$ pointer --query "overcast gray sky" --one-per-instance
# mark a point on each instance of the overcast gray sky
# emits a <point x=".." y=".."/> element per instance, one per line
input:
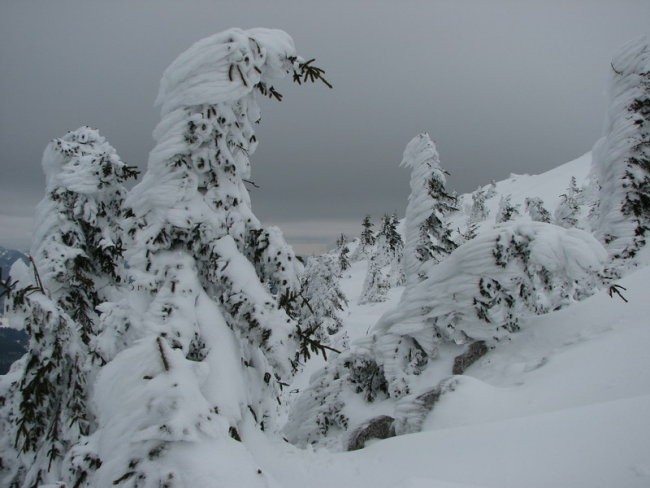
<point x="501" y="86"/>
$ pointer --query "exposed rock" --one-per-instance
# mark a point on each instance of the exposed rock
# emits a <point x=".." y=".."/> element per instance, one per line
<point x="475" y="351"/>
<point x="413" y="409"/>
<point x="377" y="428"/>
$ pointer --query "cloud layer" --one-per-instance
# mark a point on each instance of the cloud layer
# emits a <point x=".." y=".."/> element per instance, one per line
<point x="502" y="87"/>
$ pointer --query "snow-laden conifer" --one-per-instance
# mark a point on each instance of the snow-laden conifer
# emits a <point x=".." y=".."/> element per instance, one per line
<point x="323" y="300"/>
<point x="536" y="210"/>
<point x="491" y="190"/>
<point x="567" y="212"/>
<point x="385" y="265"/>
<point x="209" y="336"/>
<point x="376" y="283"/>
<point x="344" y="259"/>
<point x="487" y="286"/>
<point x="478" y="212"/>
<point x="621" y="159"/>
<point x="76" y="254"/>
<point x="366" y="240"/>
<point x="427" y="234"/>
<point x="343" y="250"/>
<point x="507" y="210"/>
<point x="483" y="291"/>
<point x="341" y="241"/>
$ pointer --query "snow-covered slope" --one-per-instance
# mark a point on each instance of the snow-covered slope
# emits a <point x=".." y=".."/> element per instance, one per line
<point x="564" y="403"/>
<point x="548" y="186"/>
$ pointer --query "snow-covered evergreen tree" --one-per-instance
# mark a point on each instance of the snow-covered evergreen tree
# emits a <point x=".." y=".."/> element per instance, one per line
<point x="376" y="284"/>
<point x="343" y="253"/>
<point x="507" y="211"/>
<point x="323" y="300"/>
<point x="344" y="259"/>
<point x="385" y="266"/>
<point x="389" y="250"/>
<point x="478" y="213"/>
<point x="427" y="232"/>
<point x="621" y="159"/>
<point x="541" y="266"/>
<point x="567" y="212"/>
<point x="481" y="292"/>
<point x="536" y="210"/>
<point x="76" y="253"/>
<point x="208" y="338"/>
<point x="341" y="241"/>
<point x="366" y="240"/>
<point x="491" y="190"/>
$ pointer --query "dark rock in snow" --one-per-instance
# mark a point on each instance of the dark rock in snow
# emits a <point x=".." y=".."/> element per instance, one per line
<point x="412" y="410"/>
<point x="475" y="351"/>
<point x="377" y="428"/>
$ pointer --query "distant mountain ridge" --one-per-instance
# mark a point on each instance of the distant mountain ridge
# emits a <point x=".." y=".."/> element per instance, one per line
<point x="13" y="343"/>
<point x="8" y="257"/>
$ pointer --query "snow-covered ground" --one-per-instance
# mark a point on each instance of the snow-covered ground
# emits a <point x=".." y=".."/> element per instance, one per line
<point x="564" y="404"/>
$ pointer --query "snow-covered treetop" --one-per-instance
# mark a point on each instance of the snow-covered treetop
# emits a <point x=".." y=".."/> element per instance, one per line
<point x="419" y="150"/>
<point x="208" y="108"/>
<point x="511" y="253"/>
<point x="421" y="155"/>
<point x="621" y="157"/>
<point x="81" y="211"/>
<point x="82" y="161"/>
<point x="426" y="233"/>
<point x="225" y="67"/>
<point x="631" y="62"/>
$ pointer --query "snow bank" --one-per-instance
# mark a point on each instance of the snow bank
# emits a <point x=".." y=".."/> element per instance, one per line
<point x="559" y="263"/>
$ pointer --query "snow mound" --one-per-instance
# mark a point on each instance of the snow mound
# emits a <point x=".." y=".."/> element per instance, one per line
<point x="555" y="266"/>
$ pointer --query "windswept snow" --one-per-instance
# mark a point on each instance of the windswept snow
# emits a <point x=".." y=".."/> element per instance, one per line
<point x="563" y="403"/>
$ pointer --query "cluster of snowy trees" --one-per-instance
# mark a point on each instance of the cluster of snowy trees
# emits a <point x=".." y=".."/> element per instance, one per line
<point x="385" y="256"/>
<point x="167" y="316"/>
<point x="525" y="262"/>
<point x="480" y="292"/>
<point x="427" y="235"/>
<point x="167" y="321"/>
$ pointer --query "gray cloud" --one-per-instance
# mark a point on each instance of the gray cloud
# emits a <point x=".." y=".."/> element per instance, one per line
<point x="502" y="86"/>
<point x="15" y="232"/>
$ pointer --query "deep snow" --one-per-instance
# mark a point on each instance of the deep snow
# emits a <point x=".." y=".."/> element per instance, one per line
<point x="565" y="403"/>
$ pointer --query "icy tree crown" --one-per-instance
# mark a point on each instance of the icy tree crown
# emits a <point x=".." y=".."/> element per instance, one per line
<point x="621" y="159"/>
<point x="426" y="233"/>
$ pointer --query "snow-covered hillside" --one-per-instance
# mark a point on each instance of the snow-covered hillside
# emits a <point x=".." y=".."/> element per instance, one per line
<point x="548" y="186"/>
<point x="564" y="403"/>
